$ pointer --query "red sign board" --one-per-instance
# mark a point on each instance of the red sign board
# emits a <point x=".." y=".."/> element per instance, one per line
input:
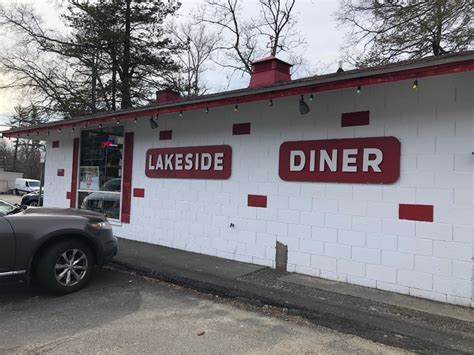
<point x="355" y="160"/>
<point x="208" y="162"/>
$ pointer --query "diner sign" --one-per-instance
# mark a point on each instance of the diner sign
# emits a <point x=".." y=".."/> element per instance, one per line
<point x="206" y="162"/>
<point x="355" y="160"/>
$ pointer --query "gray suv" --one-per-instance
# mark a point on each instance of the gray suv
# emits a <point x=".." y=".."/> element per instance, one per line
<point x="58" y="248"/>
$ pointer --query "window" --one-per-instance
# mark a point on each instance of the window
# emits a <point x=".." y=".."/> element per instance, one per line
<point x="100" y="170"/>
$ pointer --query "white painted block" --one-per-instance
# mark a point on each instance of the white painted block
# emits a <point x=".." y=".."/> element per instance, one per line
<point x="367" y="193"/>
<point x="353" y="207"/>
<point x="312" y="218"/>
<point x="366" y="255"/>
<point x="340" y="221"/>
<point x="337" y="250"/>
<point x="299" y="258"/>
<point x="289" y="216"/>
<point x="382" y="209"/>
<point x="463" y="234"/>
<point x="436" y="231"/>
<point x="323" y="263"/>
<point x="453" y="250"/>
<point x="299" y="231"/>
<point x="415" y="279"/>
<point x="351" y="237"/>
<point x="311" y="246"/>
<point x="350" y="267"/>
<point x="381" y="241"/>
<point x="400" y="260"/>
<point x="433" y="265"/>
<point x="367" y="224"/>
<point x="398" y="227"/>
<point x="451" y="286"/>
<point x="301" y="203"/>
<point x="381" y="273"/>
<point x="277" y="228"/>
<point x="415" y="245"/>
<point x="324" y="234"/>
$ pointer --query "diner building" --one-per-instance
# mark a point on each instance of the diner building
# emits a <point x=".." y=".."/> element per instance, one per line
<point x="362" y="176"/>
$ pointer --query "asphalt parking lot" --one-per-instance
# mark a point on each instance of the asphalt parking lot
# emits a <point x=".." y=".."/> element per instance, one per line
<point x="121" y="313"/>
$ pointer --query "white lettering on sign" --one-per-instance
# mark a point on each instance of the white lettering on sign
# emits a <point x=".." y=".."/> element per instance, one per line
<point x="294" y="166"/>
<point x="348" y="160"/>
<point x="372" y="158"/>
<point x="373" y="163"/>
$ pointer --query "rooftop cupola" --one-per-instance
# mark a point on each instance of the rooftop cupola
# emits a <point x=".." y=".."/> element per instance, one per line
<point x="268" y="71"/>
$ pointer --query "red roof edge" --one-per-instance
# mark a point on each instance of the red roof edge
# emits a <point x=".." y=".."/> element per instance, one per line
<point x="293" y="88"/>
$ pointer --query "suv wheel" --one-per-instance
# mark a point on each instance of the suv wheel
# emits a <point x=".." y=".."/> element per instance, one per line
<point x="65" y="267"/>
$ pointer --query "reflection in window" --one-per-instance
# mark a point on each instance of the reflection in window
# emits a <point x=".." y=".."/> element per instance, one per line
<point x="100" y="170"/>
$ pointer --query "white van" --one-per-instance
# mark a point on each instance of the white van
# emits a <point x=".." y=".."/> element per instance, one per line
<point x="26" y="186"/>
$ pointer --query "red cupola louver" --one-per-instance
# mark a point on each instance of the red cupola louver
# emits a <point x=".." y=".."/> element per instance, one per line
<point x="268" y="71"/>
<point x="167" y="95"/>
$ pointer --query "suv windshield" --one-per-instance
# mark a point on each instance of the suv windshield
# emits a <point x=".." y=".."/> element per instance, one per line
<point x="6" y="208"/>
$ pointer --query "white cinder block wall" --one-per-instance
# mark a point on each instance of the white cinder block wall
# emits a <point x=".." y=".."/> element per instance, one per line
<point x="56" y="187"/>
<point x="345" y="232"/>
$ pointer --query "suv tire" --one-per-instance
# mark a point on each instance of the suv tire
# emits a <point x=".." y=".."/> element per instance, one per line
<point x="65" y="267"/>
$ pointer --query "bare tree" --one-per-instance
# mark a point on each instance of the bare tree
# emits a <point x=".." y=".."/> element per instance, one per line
<point x="246" y="39"/>
<point x="198" y="46"/>
<point x="390" y="30"/>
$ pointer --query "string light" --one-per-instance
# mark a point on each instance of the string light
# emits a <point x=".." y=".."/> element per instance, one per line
<point x="270" y="102"/>
<point x="207" y="110"/>
<point x="311" y="98"/>
<point x="135" y="120"/>
<point x="359" y="89"/>
<point x="100" y="125"/>
<point x="72" y="129"/>
<point x="180" y="113"/>
<point x="236" y="108"/>
<point x="118" y="122"/>
<point x="415" y="84"/>
<point x="59" y="129"/>
<point x="48" y="132"/>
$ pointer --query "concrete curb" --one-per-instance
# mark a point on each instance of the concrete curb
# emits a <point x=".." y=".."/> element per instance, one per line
<point x="382" y="328"/>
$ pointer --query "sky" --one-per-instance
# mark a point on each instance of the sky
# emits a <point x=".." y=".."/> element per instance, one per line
<point x="315" y="21"/>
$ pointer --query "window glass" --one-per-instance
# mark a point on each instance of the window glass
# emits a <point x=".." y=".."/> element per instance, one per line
<point x="100" y="170"/>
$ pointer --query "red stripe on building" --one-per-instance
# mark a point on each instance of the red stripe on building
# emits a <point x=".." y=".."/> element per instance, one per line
<point x="138" y="192"/>
<point x="422" y="213"/>
<point x="75" y="167"/>
<point x="127" y="177"/>
<point x="166" y="135"/>
<point x="257" y="201"/>
<point x="241" y="128"/>
<point x="360" y="118"/>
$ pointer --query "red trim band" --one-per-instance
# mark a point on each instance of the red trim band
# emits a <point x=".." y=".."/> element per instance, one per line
<point x="138" y="192"/>
<point x="257" y="201"/>
<point x="241" y="128"/>
<point x="360" y="118"/>
<point x="422" y="213"/>
<point x="166" y="135"/>
<point x="75" y="167"/>
<point x="127" y="177"/>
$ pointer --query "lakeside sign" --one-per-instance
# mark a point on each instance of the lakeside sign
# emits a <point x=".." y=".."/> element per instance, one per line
<point x="354" y="160"/>
<point x="206" y="162"/>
